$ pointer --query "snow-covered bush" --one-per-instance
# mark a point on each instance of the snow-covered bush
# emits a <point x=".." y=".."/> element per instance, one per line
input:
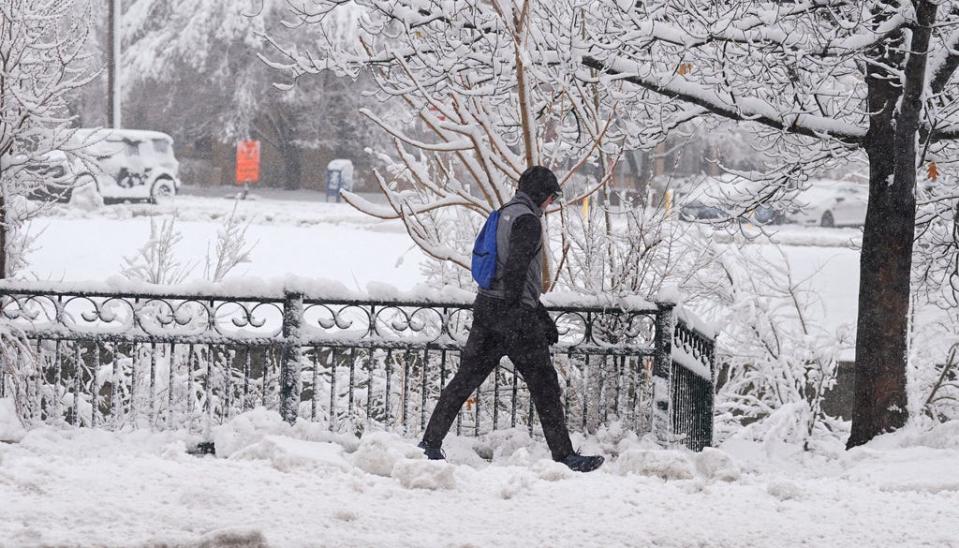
<point x="156" y="262"/>
<point x="20" y="375"/>
<point x="44" y="61"/>
<point x="934" y="326"/>
<point x="934" y="364"/>
<point x="777" y="363"/>
<point x="231" y="249"/>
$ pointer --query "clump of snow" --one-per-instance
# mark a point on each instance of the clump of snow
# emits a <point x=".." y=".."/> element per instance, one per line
<point x="502" y="444"/>
<point x="935" y="436"/>
<point x="380" y="452"/>
<point x="290" y="455"/>
<point x="346" y="515"/>
<point x="550" y="470"/>
<point x="11" y="429"/>
<point x="256" y="425"/>
<point x="519" y="457"/>
<point x="464" y="450"/>
<point x="669" y="294"/>
<point x="248" y="429"/>
<point x="425" y="474"/>
<point x="667" y="465"/>
<point x="715" y="464"/>
<point x="615" y="438"/>
<point x="175" y="450"/>
<point x="234" y="538"/>
<point x="86" y="198"/>
<point x="784" y="490"/>
<point x="515" y="484"/>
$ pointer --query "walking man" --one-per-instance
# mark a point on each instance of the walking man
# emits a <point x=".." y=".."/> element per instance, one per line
<point x="509" y="320"/>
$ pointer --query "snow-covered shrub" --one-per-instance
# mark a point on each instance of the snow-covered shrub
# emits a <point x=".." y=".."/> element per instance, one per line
<point x="934" y="326"/>
<point x="231" y="248"/>
<point x="777" y="363"/>
<point x="934" y="364"/>
<point x="19" y="238"/>
<point x="45" y="62"/>
<point x="19" y="365"/>
<point x="156" y="261"/>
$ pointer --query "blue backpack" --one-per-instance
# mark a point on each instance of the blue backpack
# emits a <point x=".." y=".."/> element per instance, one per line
<point x="484" y="253"/>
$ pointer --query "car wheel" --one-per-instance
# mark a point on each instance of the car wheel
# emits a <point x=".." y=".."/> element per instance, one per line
<point x="827" y="220"/>
<point x="163" y="192"/>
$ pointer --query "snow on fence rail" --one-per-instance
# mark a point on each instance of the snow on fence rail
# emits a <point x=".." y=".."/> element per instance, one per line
<point x="161" y="359"/>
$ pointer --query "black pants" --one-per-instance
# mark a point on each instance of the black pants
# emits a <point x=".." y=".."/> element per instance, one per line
<point x="500" y="331"/>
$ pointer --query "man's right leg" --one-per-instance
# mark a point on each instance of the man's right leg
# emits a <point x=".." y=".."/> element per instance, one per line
<point x="480" y="356"/>
<point x="534" y="363"/>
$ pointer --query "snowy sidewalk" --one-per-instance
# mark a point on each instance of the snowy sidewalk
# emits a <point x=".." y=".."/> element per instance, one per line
<point x="283" y="486"/>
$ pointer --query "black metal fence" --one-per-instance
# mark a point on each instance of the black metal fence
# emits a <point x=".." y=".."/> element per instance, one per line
<point x="154" y="360"/>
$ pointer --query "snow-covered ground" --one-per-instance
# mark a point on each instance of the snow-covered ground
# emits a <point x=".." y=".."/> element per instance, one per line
<point x="317" y="239"/>
<point x="306" y="238"/>
<point x="272" y="484"/>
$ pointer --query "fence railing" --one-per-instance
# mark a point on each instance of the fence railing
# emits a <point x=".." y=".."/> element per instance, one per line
<point x="143" y="359"/>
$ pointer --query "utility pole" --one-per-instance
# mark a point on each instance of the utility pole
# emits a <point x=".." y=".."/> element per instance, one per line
<point x="113" y="69"/>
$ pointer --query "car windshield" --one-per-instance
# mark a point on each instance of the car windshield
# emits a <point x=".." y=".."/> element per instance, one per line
<point x="161" y="146"/>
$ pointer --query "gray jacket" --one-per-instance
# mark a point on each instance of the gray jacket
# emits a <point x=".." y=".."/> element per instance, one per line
<point x="531" y="249"/>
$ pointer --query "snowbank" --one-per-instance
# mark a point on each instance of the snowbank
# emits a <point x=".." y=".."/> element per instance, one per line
<point x="273" y="484"/>
<point x="11" y="430"/>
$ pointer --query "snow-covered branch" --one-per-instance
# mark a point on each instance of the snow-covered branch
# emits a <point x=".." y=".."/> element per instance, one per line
<point x="751" y="109"/>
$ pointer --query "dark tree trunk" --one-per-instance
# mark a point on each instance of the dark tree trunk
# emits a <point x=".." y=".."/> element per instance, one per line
<point x="884" y="274"/>
<point x="281" y="134"/>
<point x="3" y="235"/>
<point x="292" y="168"/>
<point x="639" y="176"/>
<point x="882" y="350"/>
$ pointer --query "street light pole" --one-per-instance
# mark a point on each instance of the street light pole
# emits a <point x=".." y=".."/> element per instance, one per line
<point x="113" y="69"/>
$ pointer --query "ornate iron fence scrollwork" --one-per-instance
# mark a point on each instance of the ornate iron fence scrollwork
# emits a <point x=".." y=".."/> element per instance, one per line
<point x="128" y="360"/>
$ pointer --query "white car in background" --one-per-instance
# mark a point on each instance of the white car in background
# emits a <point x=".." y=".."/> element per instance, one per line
<point x="126" y="164"/>
<point x="830" y="203"/>
<point x="717" y="199"/>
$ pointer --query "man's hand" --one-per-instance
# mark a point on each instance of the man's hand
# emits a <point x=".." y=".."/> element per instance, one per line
<point x="549" y="326"/>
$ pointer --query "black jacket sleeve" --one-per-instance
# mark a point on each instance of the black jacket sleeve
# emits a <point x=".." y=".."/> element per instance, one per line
<point x="524" y="246"/>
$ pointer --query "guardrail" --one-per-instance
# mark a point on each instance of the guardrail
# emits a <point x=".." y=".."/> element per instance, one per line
<point x="148" y="359"/>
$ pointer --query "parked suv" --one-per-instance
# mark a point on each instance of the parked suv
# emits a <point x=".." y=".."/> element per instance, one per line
<point x="49" y="178"/>
<point x="126" y="164"/>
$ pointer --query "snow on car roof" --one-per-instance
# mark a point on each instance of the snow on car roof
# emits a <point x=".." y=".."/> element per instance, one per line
<point x="340" y="163"/>
<point x="124" y="134"/>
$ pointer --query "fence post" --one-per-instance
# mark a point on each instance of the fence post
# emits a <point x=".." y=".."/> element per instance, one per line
<point x="706" y="413"/>
<point x="662" y="365"/>
<point x="290" y="362"/>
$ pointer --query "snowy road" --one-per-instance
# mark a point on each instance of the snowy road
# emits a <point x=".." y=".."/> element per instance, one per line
<point x="285" y="486"/>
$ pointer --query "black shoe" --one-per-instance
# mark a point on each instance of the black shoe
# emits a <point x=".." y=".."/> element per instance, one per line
<point x="583" y="463"/>
<point x="432" y="453"/>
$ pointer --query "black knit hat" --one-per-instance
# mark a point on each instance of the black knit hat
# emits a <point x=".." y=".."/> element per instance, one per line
<point x="539" y="183"/>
